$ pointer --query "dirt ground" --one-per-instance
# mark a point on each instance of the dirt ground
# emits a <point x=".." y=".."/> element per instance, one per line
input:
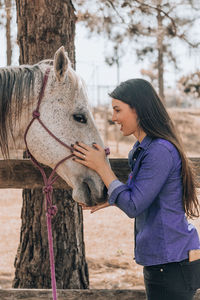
<point x="108" y="233"/>
<point x="108" y="240"/>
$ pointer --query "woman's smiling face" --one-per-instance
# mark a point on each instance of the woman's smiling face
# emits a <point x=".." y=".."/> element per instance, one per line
<point x="126" y="116"/>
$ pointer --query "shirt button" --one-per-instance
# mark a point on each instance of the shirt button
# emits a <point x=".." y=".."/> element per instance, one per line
<point x="161" y="270"/>
<point x="134" y="159"/>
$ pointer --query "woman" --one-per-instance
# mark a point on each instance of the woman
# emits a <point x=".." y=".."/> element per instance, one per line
<point x="159" y="194"/>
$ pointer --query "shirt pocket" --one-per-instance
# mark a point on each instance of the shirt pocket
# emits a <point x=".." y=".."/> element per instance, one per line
<point x="191" y="274"/>
<point x="154" y="274"/>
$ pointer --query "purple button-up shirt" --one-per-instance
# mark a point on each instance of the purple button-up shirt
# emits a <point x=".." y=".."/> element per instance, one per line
<point x="153" y="196"/>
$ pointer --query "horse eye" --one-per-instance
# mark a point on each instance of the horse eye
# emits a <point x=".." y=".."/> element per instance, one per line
<point x="80" y="118"/>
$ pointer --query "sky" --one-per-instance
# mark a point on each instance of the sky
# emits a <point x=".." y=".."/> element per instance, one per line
<point x="91" y="66"/>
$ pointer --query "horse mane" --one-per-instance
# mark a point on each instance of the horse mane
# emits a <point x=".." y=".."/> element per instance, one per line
<point x="16" y="86"/>
<point x="16" y="90"/>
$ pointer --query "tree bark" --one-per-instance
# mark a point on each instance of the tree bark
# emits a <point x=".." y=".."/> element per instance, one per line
<point x="44" y="26"/>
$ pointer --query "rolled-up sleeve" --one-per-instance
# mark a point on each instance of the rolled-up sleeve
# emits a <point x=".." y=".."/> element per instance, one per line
<point x="113" y="185"/>
<point x="154" y="170"/>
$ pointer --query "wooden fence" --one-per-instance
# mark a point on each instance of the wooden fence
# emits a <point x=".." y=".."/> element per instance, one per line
<point x="25" y="294"/>
<point x="20" y="174"/>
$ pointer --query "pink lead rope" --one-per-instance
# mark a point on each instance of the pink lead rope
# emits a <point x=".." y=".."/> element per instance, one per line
<point x="51" y="209"/>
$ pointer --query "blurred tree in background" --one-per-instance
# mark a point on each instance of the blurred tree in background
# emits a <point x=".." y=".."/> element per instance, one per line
<point x="5" y="20"/>
<point x="190" y="84"/>
<point x="147" y="27"/>
<point x="8" y="4"/>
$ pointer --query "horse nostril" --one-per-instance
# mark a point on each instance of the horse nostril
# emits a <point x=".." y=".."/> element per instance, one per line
<point x="88" y="194"/>
<point x="94" y="196"/>
<point x="105" y="191"/>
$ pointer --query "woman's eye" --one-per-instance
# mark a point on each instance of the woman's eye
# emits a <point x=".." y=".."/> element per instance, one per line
<point x="80" y="118"/>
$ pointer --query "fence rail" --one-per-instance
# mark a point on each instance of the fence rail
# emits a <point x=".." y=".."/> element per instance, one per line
<point x="20" y="174"/>
<point x="31" y="294"/>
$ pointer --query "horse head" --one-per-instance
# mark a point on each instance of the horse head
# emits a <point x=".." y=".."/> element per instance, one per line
<point x="65" y="112"/>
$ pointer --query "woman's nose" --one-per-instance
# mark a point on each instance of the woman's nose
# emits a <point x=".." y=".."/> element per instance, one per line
<point x="114" y="118"/>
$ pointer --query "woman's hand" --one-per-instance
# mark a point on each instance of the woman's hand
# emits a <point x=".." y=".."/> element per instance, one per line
<point x="91" y="157"/>
<point x="94" y="208"/>
<point x="95" y="159"/>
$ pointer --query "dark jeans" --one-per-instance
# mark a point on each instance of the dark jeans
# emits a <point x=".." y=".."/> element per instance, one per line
<point x="171" y="281"/>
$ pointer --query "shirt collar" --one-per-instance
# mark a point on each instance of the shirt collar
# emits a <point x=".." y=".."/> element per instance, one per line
<point x="143" y="145"/>
<point x="145" y="142"/>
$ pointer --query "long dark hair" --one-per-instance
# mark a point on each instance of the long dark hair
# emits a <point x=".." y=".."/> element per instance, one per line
<point x="156" y="123"/>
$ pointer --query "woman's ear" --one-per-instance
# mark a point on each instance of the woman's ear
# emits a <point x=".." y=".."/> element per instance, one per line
<point x="134" y="112"/>
<point x="136" y="115"/>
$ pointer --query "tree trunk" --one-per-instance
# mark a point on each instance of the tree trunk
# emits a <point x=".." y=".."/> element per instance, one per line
<point x="160" y="37"/>
<point x="32" y="260"/>
<point x="8" y="35"/>
<point x="43" y="26"/>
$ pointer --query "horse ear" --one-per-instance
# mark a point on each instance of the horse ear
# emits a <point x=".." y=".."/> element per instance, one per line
<point x="61" y="63"/>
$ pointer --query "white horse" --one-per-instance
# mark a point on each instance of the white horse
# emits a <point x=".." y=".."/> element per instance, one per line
<point x="65" y="112"/>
